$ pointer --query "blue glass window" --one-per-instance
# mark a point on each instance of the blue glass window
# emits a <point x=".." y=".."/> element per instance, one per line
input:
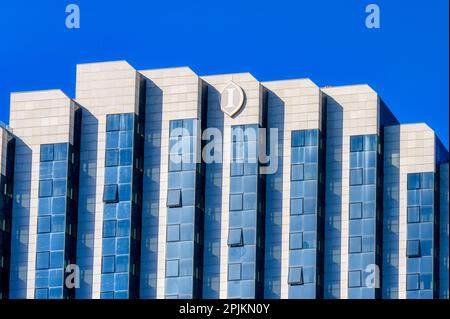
<point x="295" y="276"/>
<point x="46" y="153"/>
<point x="356" y="176"/>
<point x="296" y="241"/>
<point x="355" y="245"/>
<point x="413" y="248"/>
<point x="112" y="158"/>
<point x="173" y="233"/>
<point x="60" y="152"/>
<point x="111" y="194"/>
<point x="413" y="181"/>
<point x="298" y="138"/>
<point x="355" y="210"/>
<point x="44" y="225"/>
<point x="414" y="214"/>
<point x="113" y="122"/>
<point x="43" y="260"/>
<point x="109" y="228"/>
<point x="174" y="198"/>
<point x="354" y="279"/>
<point x="297" y="206"/>
<point x="172" y="268"/>
<point x="297" y="172"/>
<point x="236" y="202"/>
<point x="235" y="237"/>
<point x="412" y="282"/>
<point x="108" y="265"/>
<point x="45" y="188"/>
<point x="234" y="272"/>
<point x="356" y="143"/>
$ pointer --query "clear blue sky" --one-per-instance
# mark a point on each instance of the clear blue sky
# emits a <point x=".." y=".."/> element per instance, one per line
<point x="406" y="61"/>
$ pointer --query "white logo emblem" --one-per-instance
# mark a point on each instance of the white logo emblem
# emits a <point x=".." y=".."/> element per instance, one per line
<point x="231" y="99"/>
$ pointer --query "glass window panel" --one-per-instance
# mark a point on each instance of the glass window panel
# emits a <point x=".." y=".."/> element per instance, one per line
<point x="126" y="139"/>
<point x="250" y="201"/>
<point x="46" y="152"/>
<point x="236" y="202"/>
<point x="356" y="176"/>
<point x="109" y="228"/>
<point x="57" y="241"/>
<point x="123" y="228"/>
<point x="187" y="231"/>
<point x="413" y="248"/>
<point x="120" y="282"/>
<point x="412" y="282"/>
<point x="112" y="122"/>
<point x="295" y="276"/>
<point x="296" y="241"/>
<point x="414" y="214"/>
<point x="237" y="169"/>
<point x="370" y="176"/>
<point x="126" y="157"/>
<point x="112" y="140"/>
<point x="59" y="187"/>
<point x="234" y="272"/>
<point x="311" y="137"/>
<point x="172" y="268"/>
<point x="297" y="206"/>
<point x="59" y="205"/>
<point x="414" y="181"/>
<point x="235" y="237"/>
<point x="355" y="210"/>
<point x="426" y="197"/>
<point x="44" y="225"/>
<point x="126" y="121"/>
<point x="173" y="233"/>
<point x="427" y="181"/>
<point x="370" y="142"/>
<point x="174" y="198"/>
<point x="297" y="172"/>
<point x="57" y="259"/>
<point x="123" y="246"/>
<point x="426" y="214"/>
<point x="310" y="171"/>
<point x="124" y="192"/>
<point x="59" y="169"/>
<point x="356" y="143"/>
<point x="111" y="158"/>
<point x="43" y="260"/>
<point x="111" y="175"/>
<point x="122" y="263"/>
<point x="354" y="279"/>
<point x="41" y="293"/>
<point x="58" y="224"/>
<point x="298" y="155"/>
<point x="111" y="194"/>
<point x="298" y="138"/>
<point x="355" y="245"/>
<point x="45" y="188"/>
<point x="108" y="264"/>
<point x="60" y="152"/>
<point x="46" y="170"/>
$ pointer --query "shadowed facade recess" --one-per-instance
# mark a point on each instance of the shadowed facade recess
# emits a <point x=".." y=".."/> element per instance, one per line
<point x="109" y="195"/>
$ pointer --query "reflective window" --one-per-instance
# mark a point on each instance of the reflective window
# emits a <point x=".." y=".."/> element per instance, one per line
<point x="174" y="198"/>
<point x="413" y="248"/>
<point x="235" y="237"/>
<point x="295" y="276"/>
<point x="354" y="279"/>
<point x="412" y="282"/>
<point x="110" y="194"/>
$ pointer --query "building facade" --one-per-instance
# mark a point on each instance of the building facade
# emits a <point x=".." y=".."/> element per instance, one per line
<point x="160" y="184"/>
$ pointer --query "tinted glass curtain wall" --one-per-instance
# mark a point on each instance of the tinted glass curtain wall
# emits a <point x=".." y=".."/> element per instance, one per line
<point x="57" y="219"/>
<point x="122" y="197"/>
<point x="364" y="217"/>
<point x="421" y="246"/>
<point x="184" y="235"/>
<point x="305" y="258"/>
<point x="245" y="220"/>
<point x="6" y="202"/>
